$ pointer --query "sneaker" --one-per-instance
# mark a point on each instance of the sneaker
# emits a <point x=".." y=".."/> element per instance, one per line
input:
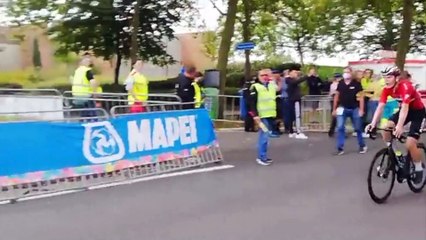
<point x="274" y="135"/>
<point x="354" y="134"/>
<point x="301" y="136"/>
<point x="418" y="177"/>
<point x="292" y="135"/>
<point x="269" y="160"/>
<point x="363" y="150"/>
<point x="365" y="135"/>
<point x="340" y="152"/>
<point x="263" y="163"/>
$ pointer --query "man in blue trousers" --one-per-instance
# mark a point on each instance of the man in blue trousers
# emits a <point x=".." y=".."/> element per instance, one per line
<point x="263" y="108"/>
<point x="349" y="103"/>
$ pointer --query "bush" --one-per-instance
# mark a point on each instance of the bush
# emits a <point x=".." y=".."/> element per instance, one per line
<point x="234" y="79"/>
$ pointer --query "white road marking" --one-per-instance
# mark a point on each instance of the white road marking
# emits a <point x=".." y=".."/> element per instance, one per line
<point x="167" y="175"/>
<point x="49" y="195"/>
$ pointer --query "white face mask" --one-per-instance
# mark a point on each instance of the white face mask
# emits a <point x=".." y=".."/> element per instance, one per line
<point x="347" y="76"/>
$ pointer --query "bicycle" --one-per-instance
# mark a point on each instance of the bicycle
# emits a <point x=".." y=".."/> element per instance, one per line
<point x="397" y="167"/>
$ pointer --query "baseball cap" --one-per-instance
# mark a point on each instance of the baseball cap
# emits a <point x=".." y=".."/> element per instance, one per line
<point x="338" y="75"/>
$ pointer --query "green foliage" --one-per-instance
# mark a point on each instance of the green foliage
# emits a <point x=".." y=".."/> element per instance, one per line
<point x="366" y="26"/>
<point x="103" y="26"/>
<point x="211" y="45"/>
<point x="36" y="54"/>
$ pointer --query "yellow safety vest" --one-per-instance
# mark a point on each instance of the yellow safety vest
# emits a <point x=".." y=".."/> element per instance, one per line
<point x="266" y="103"/>
<point x="198" y="98"/>
<point x="140" y="88"/>
<point x="80" y="84"/>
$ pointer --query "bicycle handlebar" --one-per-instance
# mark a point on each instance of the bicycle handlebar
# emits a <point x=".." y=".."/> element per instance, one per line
<point x="401" y="139"/>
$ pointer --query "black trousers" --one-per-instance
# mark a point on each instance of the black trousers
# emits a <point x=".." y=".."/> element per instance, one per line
<point x="333" y="121"/>
<point x="248" y="123"/>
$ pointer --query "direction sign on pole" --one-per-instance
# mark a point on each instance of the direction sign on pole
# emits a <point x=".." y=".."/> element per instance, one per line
<point x="245" y="46"/>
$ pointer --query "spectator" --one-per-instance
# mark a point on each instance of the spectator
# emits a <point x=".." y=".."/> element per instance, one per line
<point x="198" y="89"/>
<point x="332" y="92"/>
<point x="373" y="90"/>
<point x="278" y="81"/>
<point x="366" y="81"/>
<point x="263" y="110"/>
<point x="359" y="74"/>
<point x="314" y="85"/>
<point x="349" y="103"/>
<point x="84" y="88"/>
<point x="184" y="87"/>
<point x="248" y="119"/>
<point x="285" y="102"/>
<point x="137" y="88"/>
<point x="295" y="96"/>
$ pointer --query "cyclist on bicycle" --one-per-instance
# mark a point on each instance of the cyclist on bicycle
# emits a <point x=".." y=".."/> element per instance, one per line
<point x="411" y="111"/>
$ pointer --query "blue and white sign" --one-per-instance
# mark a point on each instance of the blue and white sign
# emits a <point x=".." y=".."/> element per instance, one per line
<point x="245" y="46"/>
<point x="44" y="146"/>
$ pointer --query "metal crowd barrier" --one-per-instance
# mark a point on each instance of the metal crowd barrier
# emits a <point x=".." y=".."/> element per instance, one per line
<point x="66" y="115"/>
<point x="151" y="106"/>
<point x="109" y="100"/>
<point x="13" y="193"/>
<point x="30" y="92"/>
<point x="316" y="113"/>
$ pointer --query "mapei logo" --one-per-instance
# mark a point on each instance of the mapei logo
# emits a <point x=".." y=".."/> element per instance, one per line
<point x="102" y="143"/>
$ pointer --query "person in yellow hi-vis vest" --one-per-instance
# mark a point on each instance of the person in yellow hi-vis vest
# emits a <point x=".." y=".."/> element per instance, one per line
<point x="373" y="88"/>
<point x="137" y="88"/>
<point x="263" y="108"/>
<point x="84" y="86"/>
<point x="198" y="90"/>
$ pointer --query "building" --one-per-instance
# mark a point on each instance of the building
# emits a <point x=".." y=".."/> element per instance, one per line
<point x="17" y="45"/>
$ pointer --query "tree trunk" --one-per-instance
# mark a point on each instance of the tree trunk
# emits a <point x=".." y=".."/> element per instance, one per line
<point x="134" y="49"/>
<point x="225" y="46"/>
<point x="404" y="41"/>
<point x="247" y="37"/>
<point x="117" y="69"/>
<point x="300" y="51"/>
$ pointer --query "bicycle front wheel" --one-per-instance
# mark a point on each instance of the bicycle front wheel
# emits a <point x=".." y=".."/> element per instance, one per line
<point x="417" y="188"/>
<point x="382" y="170"/>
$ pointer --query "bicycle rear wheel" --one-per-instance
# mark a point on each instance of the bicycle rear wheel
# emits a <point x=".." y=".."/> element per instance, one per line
<point x="417" y="188"/>
<point x="383" y="167"/>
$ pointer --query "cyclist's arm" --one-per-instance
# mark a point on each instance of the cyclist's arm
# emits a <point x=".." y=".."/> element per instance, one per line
<point x="403" y="114"/>
<point x="406" y="94"/>
<point x="378" y="113"/>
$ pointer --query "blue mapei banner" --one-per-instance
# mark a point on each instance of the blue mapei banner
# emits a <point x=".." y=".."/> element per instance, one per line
<point x="37" y="147"/>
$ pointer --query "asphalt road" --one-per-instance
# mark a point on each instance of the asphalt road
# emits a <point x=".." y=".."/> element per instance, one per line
<point x="306" y="194"/>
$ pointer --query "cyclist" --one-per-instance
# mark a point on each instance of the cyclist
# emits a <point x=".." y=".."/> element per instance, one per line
<point x="411" y="111"/>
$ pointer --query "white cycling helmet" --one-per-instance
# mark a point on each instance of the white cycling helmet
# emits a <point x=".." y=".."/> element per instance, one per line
<point x="391" y="71"/>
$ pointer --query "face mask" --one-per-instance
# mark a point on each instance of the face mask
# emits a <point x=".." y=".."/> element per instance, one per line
<point x="347" y="76"/>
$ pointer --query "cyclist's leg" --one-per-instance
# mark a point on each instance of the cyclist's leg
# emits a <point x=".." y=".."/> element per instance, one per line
<point x="391" y="123"/>
<point x="416" y="119"/>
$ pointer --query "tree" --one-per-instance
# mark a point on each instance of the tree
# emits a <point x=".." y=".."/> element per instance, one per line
<point x="369" y="25"/>
<point x="225" y="43"/>
<point x="211" y="45"/>
<point x="224" y="48"/>
<point x="276" y="25"/>
<point x="105" y="26"/>
<point x="36" y="54"/>
<point x="404" y="40"/>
